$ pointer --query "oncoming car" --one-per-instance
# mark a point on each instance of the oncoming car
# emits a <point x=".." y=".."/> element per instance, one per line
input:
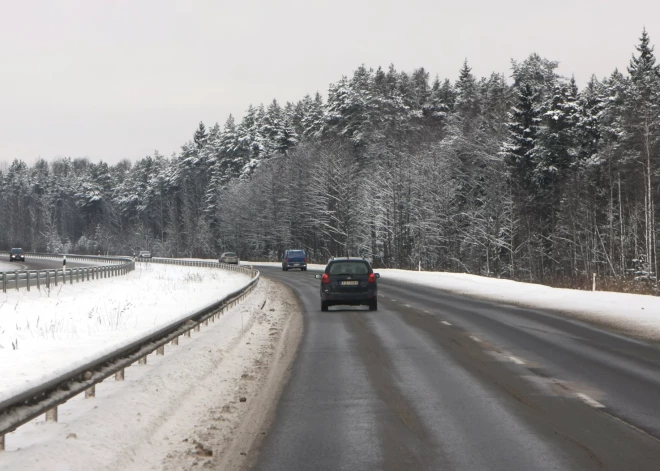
<point x="144" y="254"/>
<point x="349" y="281"/>
<point x="228" y="257"/>
<point x="16" y="254"/>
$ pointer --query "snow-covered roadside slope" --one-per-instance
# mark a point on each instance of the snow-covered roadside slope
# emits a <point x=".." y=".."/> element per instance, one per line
<point x="633" y="314"/>
<point x="182" y="410"/>
<point x="10" y="266"/>
<point x="45" y="333"/>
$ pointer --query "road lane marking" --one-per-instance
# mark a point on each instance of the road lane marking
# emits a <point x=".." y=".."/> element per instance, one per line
<point x="445" y="322"/>
<point x="516" y="360"/>
<point x="589" y="401"/>
<point x="408" y="305"/>
<point x="427" y="312"/>
<point x="476" y="339"/>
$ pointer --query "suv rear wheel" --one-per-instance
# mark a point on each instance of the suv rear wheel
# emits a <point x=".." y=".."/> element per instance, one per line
<point x="373" y="305"/>
<point x="324" y="306"/>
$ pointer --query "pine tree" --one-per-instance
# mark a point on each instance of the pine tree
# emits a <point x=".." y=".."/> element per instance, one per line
<point x="200" y="135"/>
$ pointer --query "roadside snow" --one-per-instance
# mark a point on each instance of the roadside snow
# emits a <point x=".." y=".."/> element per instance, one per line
<point x="633" y="314"/>
<point x="45" y="333"/>
<point x="182" y="410"/>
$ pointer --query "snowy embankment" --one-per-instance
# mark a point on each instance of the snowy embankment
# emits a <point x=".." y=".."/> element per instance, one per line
<point x="203" y="404"/>
<point x="10" y="266"/>
<point x="632" y="314"/>
<point x="47" y="332"/>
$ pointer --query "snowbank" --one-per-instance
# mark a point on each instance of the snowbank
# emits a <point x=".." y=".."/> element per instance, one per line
<point x="634" y="314"/>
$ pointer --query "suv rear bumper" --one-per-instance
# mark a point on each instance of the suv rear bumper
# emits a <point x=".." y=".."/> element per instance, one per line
<point x="349" y="298"/>
<point x="295" y="265"/>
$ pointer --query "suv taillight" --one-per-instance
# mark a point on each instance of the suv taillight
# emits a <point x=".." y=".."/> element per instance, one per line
<point x="372" y="277"/>
<point x="305" y="260"/>
<point x="287" y="260"/>
<point x="326" y="279"/>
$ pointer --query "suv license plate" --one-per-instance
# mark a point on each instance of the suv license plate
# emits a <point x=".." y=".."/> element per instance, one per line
<point x="350" y="283"/>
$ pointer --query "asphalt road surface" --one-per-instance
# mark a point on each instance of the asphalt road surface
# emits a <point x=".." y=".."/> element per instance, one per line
<point x="438" y="381"/>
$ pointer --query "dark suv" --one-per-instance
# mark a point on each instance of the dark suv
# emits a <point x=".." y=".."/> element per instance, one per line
<point x="294" y="259"/>
<point x="16" y="255"/>
<point x="349" y="281"/>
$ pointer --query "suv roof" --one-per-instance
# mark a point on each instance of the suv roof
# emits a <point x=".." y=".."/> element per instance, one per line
<point x="361" y="259"/>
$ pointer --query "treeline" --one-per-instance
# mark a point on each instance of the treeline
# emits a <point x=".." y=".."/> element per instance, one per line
<point x="529" y="178"/>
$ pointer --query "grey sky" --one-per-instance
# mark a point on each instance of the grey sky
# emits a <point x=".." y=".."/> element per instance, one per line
<point x="117" y="79"/>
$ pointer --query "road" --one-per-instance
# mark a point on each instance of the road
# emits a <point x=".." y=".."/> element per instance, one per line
<point x="437" y="381"/>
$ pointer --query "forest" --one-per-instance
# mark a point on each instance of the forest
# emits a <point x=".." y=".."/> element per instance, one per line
<point x="526" y="176"/>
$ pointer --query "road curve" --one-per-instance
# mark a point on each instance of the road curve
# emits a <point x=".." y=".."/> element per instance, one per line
<point x="436" y="381"/>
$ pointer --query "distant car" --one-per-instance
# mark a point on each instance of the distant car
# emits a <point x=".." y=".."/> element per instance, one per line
<point x="228" y="257"/>
<point x="16" y="255"/>
<point x="294" y="259"/>
<point x="144" y="254"/>
<point x="349" y="281"/>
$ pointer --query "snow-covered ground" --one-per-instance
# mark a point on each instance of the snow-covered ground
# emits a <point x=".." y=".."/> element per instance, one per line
<point x="632" y="314"/>
<point x="44" y="333"/>
<point x="198" y="406"/>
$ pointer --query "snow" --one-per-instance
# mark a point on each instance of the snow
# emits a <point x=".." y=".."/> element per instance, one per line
<point x="633" y="314"/>
<point x="181" y="410"/>
<point x="45" y="333"/>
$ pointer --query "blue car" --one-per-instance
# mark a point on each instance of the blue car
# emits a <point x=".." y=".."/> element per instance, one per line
<point x="294" y="259"/>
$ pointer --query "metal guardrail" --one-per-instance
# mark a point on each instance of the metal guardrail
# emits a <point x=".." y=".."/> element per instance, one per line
<point x="46" y="278"/>
<point x="45" y="398"/>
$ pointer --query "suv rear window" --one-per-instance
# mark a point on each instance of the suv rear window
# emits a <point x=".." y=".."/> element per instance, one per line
<point x="349" y="268"/>
<point x="296" y="253"/>
<point x="230" y="254"/>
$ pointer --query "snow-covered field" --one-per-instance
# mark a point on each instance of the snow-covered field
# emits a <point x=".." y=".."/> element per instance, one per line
<point x="44" y="333"/>
<point x="633" y="314"/>
<point x="199" y="406"/>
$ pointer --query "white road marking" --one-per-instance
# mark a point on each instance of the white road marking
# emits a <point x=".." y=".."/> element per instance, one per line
<point x="516" y="360"/>
<point x="476" y="339"/>
<point x="445" y="322"/>
<point x="589" y="401"/>
<point x="427" y="312"/>
<point x="408" y="305"/>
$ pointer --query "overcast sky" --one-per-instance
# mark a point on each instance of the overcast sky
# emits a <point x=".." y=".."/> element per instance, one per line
<point x="118" y="79"/>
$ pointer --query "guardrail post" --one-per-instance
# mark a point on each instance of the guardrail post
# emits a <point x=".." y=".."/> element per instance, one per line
<point x="187" y="334"/>
<point x="38" y="281"/>
<point x="2" y="443"/>
<point x="4" y="282"/>
<point x="197" y="328"/>
<point x="70" y="277"/>
<point x="77" y="275"/>
<point x="160" y="350"/>
<point x="51" y="415"/>
<point x="143" y="360"/>
<point x="119" y="375"/>
<point x="90" y="391"/>
<point x="27" y="280"/>
<point x="175" y="341"/>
